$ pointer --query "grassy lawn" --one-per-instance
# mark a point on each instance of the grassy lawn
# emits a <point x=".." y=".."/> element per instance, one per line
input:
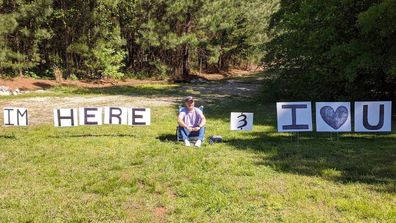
<point x="139" y="174"/>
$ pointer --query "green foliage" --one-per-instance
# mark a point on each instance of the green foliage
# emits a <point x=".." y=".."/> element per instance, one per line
<point x="104" y="38"/>
<point x="21" y="31"/>
<point x="110" y="61"/>
<point x="331" y="50"/>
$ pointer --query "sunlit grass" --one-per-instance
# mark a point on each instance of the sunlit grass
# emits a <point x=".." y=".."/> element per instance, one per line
<point x="121" y="173"/>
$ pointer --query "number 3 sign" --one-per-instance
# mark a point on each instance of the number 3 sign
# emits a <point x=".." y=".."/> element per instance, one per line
<point x="241" y="121"/>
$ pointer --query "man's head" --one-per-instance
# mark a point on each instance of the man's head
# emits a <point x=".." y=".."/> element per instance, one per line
<point x="189" y="102"/>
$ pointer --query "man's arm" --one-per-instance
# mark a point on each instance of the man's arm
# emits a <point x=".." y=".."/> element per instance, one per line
<point x="203" y="121"/>
<point x="180" y="120"/>
<point x="201" y="124"/>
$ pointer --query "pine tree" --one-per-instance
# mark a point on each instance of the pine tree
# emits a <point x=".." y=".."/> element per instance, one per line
<point x="104" y="38"/>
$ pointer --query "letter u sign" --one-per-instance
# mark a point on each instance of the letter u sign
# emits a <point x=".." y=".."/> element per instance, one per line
<point x="373" y="116"/>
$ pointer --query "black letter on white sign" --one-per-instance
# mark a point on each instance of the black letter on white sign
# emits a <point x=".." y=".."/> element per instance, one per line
<point x="112" y="115"/>
<point x="134" y="116"/>
<point x="71" y="117"/>
<point x="86" y="116"/>
<point x="294" y="125"/>
<point x="19" y="114"/>
<point x="8" y="110"/>
<point x="380" y="124"/>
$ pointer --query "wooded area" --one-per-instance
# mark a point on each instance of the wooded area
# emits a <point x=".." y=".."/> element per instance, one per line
<point x="106" y="38"/>
<point x="315" y="49"/>
<point x="334" y="50"/>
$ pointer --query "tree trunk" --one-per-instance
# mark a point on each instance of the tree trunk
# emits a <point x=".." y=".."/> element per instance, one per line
<point x="19" y="61"/>
<point x="131" y="52"/>
<point x="66" y="55"/>
<point x="66" y="37"/>
<point x="184" y="69"/>
<point x="185" y="65"/>
<point x="200" y="65"/>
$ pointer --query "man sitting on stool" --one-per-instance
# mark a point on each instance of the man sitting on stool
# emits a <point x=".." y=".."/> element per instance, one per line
<point x="191" y="122"/>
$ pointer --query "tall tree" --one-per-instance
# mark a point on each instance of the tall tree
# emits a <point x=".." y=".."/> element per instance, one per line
<point x="22" y="32"/>
<point x="104" y="38"/>
<point x="334" y="49"/>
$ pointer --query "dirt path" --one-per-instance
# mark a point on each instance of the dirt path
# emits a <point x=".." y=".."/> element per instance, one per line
<point x="40" y="108"/>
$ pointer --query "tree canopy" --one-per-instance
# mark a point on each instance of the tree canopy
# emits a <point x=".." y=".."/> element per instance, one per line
<point x="107" y="38"/>
<point x="327" y="50"/>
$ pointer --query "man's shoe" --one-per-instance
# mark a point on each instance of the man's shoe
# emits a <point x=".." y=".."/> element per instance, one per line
<point x="187" y="143"/>
<point x="198" y="143"/>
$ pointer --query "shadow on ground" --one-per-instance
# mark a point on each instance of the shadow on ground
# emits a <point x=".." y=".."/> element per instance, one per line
<point x="44" y="86"/>
<point x="7" y="137"/>
<point x="92" y="136"/>
<point x="366" y="159"/>
<point x="344" y="158"/>
<point x="167" y="138"/>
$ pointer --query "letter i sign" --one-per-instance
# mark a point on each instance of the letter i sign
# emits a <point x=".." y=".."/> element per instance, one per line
<point x="16" y="117"/>
<point x="294" y="116"/>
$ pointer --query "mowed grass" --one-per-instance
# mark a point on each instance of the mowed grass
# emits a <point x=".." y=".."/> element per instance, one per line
<point x="140" y="174"/>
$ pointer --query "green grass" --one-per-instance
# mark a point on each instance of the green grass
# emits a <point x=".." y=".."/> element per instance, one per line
<point x="139" y="174"/>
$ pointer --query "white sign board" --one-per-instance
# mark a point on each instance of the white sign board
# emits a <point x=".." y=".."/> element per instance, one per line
<point x="90" y="116"/>
<point x="294" y="116"/>
<point x="241" y="121"/>
<point x="115" y="116"/>
<point x="373" y="116"/>
<point x="333" y="117"/>
<point x="16" y="117"/>
<point x="139" y="116"/>
<point x="65" y="117"/>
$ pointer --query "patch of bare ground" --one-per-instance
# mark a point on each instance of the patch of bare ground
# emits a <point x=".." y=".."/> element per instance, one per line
<point x="29" y="84"/>
<point x="41" y="108"/>
<point x="160" y="213"/>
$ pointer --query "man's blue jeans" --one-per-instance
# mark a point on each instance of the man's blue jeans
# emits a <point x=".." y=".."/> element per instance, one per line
<point x="187" y="134"/>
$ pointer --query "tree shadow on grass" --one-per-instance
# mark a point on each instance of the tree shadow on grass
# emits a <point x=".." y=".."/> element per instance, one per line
<point x="92" y="136"/>
<point x="7" y="137"/>
<point x="361" y="158"/>
<point x="220" y="109"/>
<point x="344" y="158"/>
<point x="167" y="138"/>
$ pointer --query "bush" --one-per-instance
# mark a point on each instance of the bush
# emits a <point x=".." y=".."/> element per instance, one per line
<point x="333" y="50"/>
